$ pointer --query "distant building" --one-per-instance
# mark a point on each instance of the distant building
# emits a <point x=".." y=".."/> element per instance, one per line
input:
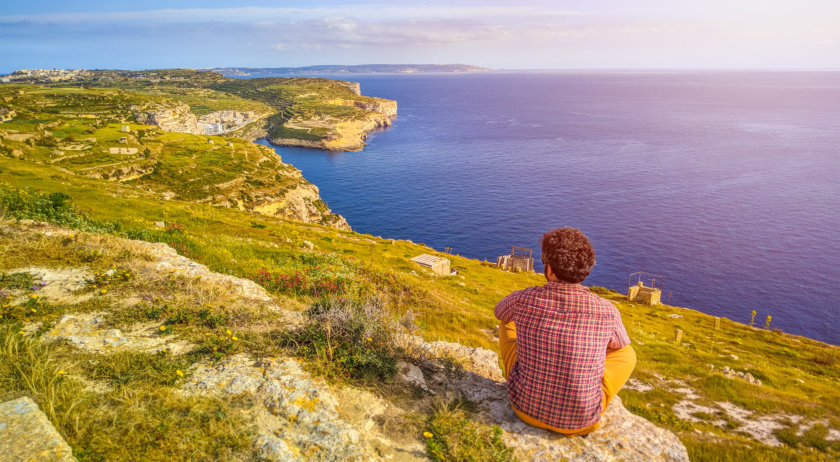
<point x="6" y="114"/>
<point x="520" y="259"/>
<point x="126" y="129"/>
<point x="438" y="265"/>
<point x="638" y="292"/>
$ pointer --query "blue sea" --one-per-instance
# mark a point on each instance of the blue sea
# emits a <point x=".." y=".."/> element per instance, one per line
<point x="726" y="184"/>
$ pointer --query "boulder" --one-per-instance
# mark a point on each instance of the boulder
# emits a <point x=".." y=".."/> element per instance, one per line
<point x="26" y="434"/>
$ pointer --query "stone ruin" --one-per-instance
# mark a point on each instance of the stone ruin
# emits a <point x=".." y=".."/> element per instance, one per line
<point x="640" y="293"/>
<point x="520" y="259"/>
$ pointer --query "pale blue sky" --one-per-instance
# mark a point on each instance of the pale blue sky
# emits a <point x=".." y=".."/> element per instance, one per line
<point x="647" y="34"/>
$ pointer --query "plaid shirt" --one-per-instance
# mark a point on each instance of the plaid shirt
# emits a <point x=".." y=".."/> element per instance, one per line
<point x="563" y="332"/>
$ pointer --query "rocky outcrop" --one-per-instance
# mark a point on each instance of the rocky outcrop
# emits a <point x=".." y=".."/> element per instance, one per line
<point x="177" y="117"/>
<point x="301" y="202"/>
<point x="174" y="117"/>
<point x="302" y="418"/>
<point x="344" y="135"/>
<point x="26" y="434"/>
<point x="221" y="122"/>
<point x="383" y="106"/>
<point x="86" y="332"/>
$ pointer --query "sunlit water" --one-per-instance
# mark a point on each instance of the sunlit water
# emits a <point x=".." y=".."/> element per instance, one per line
<point x="726" y="184"/>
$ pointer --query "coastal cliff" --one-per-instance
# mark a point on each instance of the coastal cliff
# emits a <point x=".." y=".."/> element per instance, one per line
<point x="316" y="113"/>
<point x="341" y="135"/>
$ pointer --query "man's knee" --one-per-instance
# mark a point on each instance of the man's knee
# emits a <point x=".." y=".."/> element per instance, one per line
<point x="618" y="366"/>
<point x="507" y="345"/>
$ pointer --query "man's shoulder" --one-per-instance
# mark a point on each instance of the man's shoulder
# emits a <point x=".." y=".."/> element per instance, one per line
<point x="604" y="304"/>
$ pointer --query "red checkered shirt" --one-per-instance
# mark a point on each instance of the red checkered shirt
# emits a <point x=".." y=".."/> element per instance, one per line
<point x="563" y="332"/>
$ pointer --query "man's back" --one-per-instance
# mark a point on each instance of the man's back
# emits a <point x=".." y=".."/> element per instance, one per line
<point x="563" y="332"/>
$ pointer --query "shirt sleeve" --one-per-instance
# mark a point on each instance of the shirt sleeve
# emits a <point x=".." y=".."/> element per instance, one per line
<point x="619" y="338"/>
<point x="505" y="308"/>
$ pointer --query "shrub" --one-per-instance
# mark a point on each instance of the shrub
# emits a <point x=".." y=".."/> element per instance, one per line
<point x="313" y="281"/>
<point x="53" y="208"/>
<point x="16" y="280"/>
<point x="349" y="340"/>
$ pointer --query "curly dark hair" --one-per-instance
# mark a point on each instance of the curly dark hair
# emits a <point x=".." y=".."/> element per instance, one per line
<point x="569" y="254"/>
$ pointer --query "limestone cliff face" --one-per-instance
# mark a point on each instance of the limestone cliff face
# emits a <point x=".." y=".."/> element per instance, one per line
<point x="301" y="202"/>
<point x="221" y="122"/>
<point x="341" y="134"/>
<point x="177" y="117"/>
<point x="383" y="106"/>
<point x="344" y="135"/>
<point x="174" y="117"/>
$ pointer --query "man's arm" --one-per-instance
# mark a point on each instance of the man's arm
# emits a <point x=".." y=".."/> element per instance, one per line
<point x="505" y="308"/>
<point x="619" y="338"/>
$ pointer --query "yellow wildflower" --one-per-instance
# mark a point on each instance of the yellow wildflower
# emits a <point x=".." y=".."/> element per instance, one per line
<point x="207" y="334"/>
<point x="215" y="348"/>
<point x="234" y="338"/>
<point x="21" y="332"/>
<point x="370" y="339"/>
<point x="162" y="328"/>
<point x="180" y="374"/>
<point x="228" y="331"/>
<point x="103" y="291"/>
<point x="34" y="310"/>
<point x="61" y="372"/>
<point x="427" y="434"/>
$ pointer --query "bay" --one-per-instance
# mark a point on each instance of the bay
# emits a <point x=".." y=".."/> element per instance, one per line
<point x="725" y="183"/>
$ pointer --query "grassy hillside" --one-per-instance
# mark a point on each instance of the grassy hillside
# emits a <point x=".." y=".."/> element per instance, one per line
<point x="91" y="132"/>
<point x="799" y="375"/>
<point x="306" y="109"/>
<point x="795" y="411"/>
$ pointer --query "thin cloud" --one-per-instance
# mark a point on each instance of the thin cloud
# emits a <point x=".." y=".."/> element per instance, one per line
<point x="255" y="14"/>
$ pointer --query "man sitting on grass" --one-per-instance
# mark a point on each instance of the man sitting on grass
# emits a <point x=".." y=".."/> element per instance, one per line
<point x="565" y="350"/>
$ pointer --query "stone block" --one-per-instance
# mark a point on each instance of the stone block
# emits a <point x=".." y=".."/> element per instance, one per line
<point x="26" y="434"/>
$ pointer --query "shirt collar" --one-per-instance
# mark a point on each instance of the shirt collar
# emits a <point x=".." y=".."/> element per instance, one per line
<point x="565" y="287"/>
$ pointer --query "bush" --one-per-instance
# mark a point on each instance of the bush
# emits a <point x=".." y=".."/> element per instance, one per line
<point x="313" y="281"/>
<point x="53" y="208"/>
<point x="349" y="340"/>
<point x="599" y="290"/>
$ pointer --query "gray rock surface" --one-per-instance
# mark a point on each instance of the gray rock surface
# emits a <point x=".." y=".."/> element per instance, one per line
<point x="87" y="331"/>
<point x="26" y="434"/>
<point x="411" y="375"/>
<point x="298" y="418"/>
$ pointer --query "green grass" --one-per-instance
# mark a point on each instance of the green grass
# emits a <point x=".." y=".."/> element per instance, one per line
<point x="453" y="435"/>
<point x="149" y="420"/>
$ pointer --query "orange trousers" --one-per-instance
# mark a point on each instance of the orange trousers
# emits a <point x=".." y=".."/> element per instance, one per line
<point x="617" y="369"/>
